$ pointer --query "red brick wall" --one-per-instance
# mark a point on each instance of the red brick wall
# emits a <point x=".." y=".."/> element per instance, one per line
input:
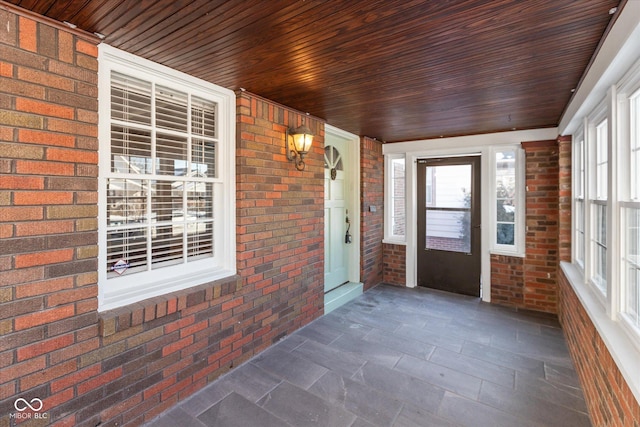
<point x="564" y="197"/>
<point x="531" y="282"/>
<point x="608" y="397"/>
<point x="125" y="366"/>
<point x="280" y="217"/>
<point x="507" y="280"/>
<point x="372" y="227"/>
<point x="394" y="264"/>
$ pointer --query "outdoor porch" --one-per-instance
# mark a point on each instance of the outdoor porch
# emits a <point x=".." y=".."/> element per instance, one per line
<point x="401" y="357"/>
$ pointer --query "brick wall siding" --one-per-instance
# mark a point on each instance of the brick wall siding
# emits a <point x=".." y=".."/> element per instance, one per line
<point x="564" y="197"/>
<point x="507" y="280"/>
<point x="609" y="399"/>
<point x="394" y="264"/>
<point x="372" y="223"/>
<point x="125" y="366"/>
<point x="531" y="282"/>
<point x="280" y="217"/>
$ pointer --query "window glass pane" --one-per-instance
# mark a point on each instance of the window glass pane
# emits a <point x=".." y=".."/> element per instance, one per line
<point x="579" y="146"/>
<point x="448" y="231"/>
<point x="398" y="197"/>
<point x="631" y="263"/>
<point x="579" y="231"/>
<point x="505" y="234"/>
<point x="199" y="201"/>
<point x="126" y="201"/>
<point x="635" y="146"/>
<point x="600" y="248"/>
<point x="505" y="197"/>
<point x="130" y="99"/>
<point x="130" y="150"/>
<point x="126" y="251"/>
<point x="601" y="160"/>
<point x="203" y="117"/>
<point x="161" y="220"/>
<point x="171" y="109"/>
<point x="171" y="155"/>
<point x="451" y="186"/>
<point x="203" y="158"/>
<point x="448" y="218"/>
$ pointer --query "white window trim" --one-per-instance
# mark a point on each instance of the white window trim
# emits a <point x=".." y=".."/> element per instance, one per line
<point x="518" y="248"/>
<point x="164" y="280"/>
<point x="389" y="237"/>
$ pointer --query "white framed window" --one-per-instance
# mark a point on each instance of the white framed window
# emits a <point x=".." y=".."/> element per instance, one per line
<point x="395" y="193"/>
<point x="508" y="200"/>
<point x="629" y="215"/>
<point x="166" y="182"/>
<point x="579" y="204"/>
<point x="598" y="165"/>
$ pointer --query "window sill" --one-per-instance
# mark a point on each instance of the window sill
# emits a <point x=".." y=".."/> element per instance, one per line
<point x="164" y="308"/>
<point x="394" y="242"/>
<point x="507" y="253"/>
<point x="612" y="333"/>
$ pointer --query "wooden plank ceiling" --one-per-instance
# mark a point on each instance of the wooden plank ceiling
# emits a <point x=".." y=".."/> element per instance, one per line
<point x="395" y="70"/>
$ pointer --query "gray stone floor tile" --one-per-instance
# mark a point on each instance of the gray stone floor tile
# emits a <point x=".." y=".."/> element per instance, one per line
<point x="331" y="358"/>
<point x="205" y="398"/>
<point x="300" y="408"/>
<point x="401" y="357"/>
<point x="296" y="370"/>
<point x="289" y="343"/>
<point x="504" y="358"/>
<point x="475" y="367"/>
<point x="449" y="379"/>
<point x="251" y="382"/>
<point x="405" y="345"/>
<point x="556" y="393"/>
<point x="428" y="337"/>
<point x="466" y="412"/>
<point x="368" y="351"/>
<point x="320" y="333"/>
<point x="401" y="386"/>
<point x="178" y="417"/>
<point x="357" y="398"/>
<point x="411" y="416"/>
<point x="360" y="422"/>
<point x="236" y="411"/>
<point x="530" y="407"/>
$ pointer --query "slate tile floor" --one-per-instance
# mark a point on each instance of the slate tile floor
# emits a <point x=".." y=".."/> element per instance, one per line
<point x="401" y="357"/>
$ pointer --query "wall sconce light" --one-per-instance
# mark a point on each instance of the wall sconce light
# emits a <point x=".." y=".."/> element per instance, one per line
<point x="296" y="150"/>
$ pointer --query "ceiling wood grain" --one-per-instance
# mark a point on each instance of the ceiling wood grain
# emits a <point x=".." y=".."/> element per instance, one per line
<point x="395" y="70"/>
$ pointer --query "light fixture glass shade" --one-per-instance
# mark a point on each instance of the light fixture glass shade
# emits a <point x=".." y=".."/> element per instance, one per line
<point x="302" y="139"/>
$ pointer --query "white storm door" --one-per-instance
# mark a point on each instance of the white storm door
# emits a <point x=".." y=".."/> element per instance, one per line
<point x="335" y="215"/>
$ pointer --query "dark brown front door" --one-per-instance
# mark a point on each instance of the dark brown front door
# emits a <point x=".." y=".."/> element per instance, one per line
<point x="449" y="224"/>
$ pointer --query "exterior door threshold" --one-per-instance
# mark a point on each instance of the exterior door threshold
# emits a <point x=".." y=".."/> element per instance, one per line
<point x="341" y="295"/>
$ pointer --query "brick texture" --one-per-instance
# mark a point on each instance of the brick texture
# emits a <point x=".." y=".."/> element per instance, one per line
<point x="372" y="226"/>
<point x="564" y="197"/>
<point x="280" y="219"/>
<point x="531" y="283"/>
<point x="609" y="399"/>
<point x="394" y="264"/>
<point x="125" y="366"/>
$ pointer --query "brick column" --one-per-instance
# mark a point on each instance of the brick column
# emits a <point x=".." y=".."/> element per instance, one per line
<point x="372" y="221"/>
<point x="565" y="195"/>
<point x="541" y="259"/>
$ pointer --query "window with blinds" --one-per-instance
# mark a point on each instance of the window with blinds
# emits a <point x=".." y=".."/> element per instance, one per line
<point x="162" y="177"/>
